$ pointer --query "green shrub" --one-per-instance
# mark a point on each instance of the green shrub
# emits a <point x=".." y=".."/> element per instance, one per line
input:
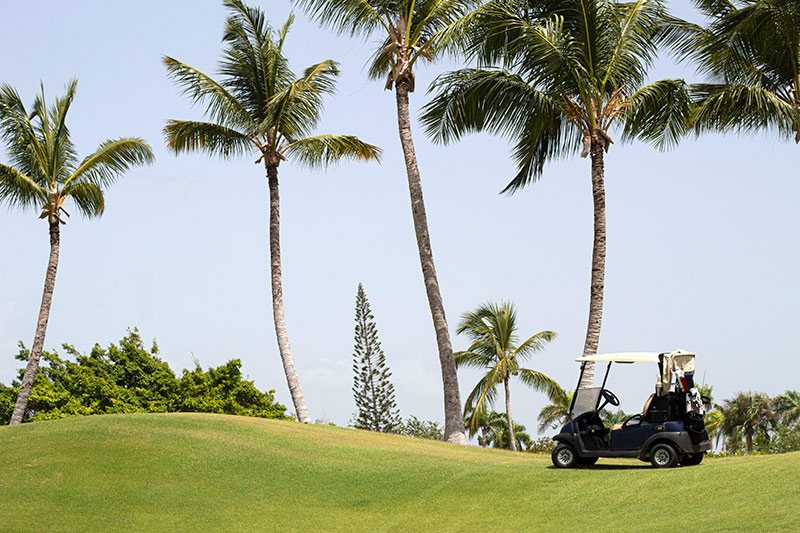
<point x="127" y="378"/>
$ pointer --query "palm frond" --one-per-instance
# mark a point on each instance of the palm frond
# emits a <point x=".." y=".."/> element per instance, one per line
<point x="534" y="343"/>
<point x="17" y="189"/>
<point x="659" y="112"/>
<point x="640" y="25"/>
<point x="543" y="138"/>
<point x="220" y="105"/>
<point x="295" y="110"/>
<point x="353" y="17"/>
<point x="538" y="381"/>
<point x="475" y="100"/>
<point x="24" y="146"/>
<point x="742" y="108"/>
<point x="472" y="359"/>
<point x="112" y="159"/>
<point x="434" y="20"/>
<point x="324" y="150"/>
<point x="87" y="196"/>
<point x="484" y="393"/>
<point x="213" y="139"/>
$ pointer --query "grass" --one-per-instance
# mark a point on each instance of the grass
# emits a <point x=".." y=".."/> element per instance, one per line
<point x="211" y="472"/>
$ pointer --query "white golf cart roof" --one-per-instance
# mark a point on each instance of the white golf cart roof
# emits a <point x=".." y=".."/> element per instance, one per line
<point x="678" y="360"/>
<point x="636" y="357"/>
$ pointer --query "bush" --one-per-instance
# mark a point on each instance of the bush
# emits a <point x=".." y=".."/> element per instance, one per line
<point x="542" y="445"/>
<point x="127" y="378"/>
<point x="423" y="429"/>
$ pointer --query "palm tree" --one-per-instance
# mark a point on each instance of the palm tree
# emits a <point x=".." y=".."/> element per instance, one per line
<point x="499" y="437"/>
<point x="787" y="406"/>
<point x="714" y="417"/>
<point x="715" y="426"/>
<point x="260" y="107"/>
<point x="492" y="329"/>
<point x="569" y="71"/>
<point x="44" y="173"/>
<point x="480" y="420"/>
<point x="745" y="415"/>
<point x="557" y="411"/>
<point x="409" y="30"/>
<point x="750" y="52"/>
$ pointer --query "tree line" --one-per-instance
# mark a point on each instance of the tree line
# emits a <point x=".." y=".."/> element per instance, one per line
<point x="556" y="78"/>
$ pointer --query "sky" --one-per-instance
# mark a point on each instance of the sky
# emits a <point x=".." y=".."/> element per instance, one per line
<point x="702" y="240"/>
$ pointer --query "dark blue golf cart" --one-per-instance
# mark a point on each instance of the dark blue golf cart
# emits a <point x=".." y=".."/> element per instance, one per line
<point x="669" y="431"/>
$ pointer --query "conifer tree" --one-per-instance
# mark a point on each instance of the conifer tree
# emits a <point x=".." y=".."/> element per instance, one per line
<point x="376" y="409"/>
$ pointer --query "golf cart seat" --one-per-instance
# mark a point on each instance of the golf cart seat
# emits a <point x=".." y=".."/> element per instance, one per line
<point x="644" y="412"/>
<point x="647" y="405"/>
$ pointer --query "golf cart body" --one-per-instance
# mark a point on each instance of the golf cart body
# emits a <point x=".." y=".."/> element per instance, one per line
<point x="669" y="430"/>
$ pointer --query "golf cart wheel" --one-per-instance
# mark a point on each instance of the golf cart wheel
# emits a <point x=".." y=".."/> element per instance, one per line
<point x="564" y="456"/>
<point x="587" y="461"/>
<point x="663" y="456"/>
<point x="691" y="459"/>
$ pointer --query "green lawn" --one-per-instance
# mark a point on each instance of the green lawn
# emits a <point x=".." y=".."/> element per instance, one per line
<point x="200" y="472"/>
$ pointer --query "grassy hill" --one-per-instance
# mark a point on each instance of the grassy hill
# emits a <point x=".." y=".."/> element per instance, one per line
<point x="201" y="472"/>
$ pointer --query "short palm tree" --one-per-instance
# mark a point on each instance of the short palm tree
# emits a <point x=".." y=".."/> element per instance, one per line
<point x="556" y="78"/>
<point x="408" y="30"/>
<point x="787" y="406"/>
<point x="557" y="411"/>
<point x="750" y="52"/>
<point x="479" y="422"/>
<point x="746" y="415"/>
<point x="492" y="328"/>
<point x="498" y="422"/>
<point x="260" y="107"/>
<point x="715" y="425"/>
<point x="44" y="173"/>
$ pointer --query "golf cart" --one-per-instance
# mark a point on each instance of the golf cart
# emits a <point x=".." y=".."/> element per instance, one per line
<point x="669" y="430"/>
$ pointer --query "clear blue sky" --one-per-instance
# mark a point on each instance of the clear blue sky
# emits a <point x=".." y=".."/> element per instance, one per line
<point x="702" y="241"/>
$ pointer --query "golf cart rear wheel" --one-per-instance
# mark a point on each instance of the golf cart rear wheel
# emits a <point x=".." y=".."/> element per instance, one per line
<point x="691" y="459"/>
<point x="663" y="456"/>
<point x="564" y="456"/>
<point x="587" y="461"/>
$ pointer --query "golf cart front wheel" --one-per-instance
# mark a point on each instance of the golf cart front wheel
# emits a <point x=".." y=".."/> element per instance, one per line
<point x="564" y="456"/>
<point x="663" y="456"/>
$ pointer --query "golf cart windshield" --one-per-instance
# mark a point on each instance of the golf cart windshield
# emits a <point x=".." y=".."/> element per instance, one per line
<point x="585" y="400"/>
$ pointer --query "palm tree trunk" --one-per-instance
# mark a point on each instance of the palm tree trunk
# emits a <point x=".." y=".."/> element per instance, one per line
<point x="277" y="297"/>
<point x="749" y="438"/>
<point x="512" y="439"/>
<point x="598" y="261"/>
<point x="41" y="326"/>
<point x="453" y="418"/>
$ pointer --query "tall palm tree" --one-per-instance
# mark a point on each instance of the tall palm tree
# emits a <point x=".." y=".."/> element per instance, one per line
<point x="492" y="328"/>
<point x="555" y="77"/>
<point x="409" y="30"/>
<point x="44" y="173"/>
<point x="746" y="415"/>
<point x="260" y="107"/>
<point x="750" y="51"/>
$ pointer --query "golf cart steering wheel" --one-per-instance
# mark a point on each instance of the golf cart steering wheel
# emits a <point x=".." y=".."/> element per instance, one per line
<point x="610" y="397"/>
